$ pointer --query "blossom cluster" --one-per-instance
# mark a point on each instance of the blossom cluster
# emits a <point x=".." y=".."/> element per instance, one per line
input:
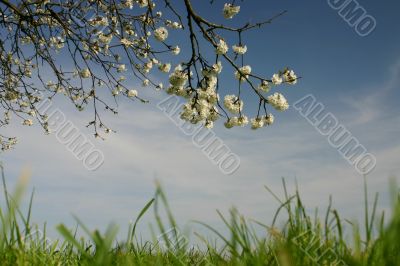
<point x="108" y="46"/>
<point x="102" y="39"/>
<point x="201" y="101"/>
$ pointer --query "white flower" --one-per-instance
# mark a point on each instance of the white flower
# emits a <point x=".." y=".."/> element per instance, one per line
<point x="164" y="67"/>
<point x="231" y="122"/>
<point x="230" y="10"/>
<point x="239" y="49"/>
<point x="211" y="74"/>
<point x="264" y="86"/>
<point x="269" y="119"/>
<point x="278" y="101"/>
<point x="209" y="124"/>
<point x="132" y="93"/>
<point x="233" y="104"/>
<point x="242" y="121"/>
<point x="257" y="123"/>
<point x="217" y="68"/>
<point x="56" y="42"/>
<point x="143" y="3"/>
<point x="199" y="110"/>
<point x="276" y="79"/>
<point x="178" y="78"/>
<point x="23" y="104"/>
<point x="85" y="73"/>
<point x="161" y="34"/>
<point x="145" y="82"/>
<point x="222" y="47"/>
<point x="27" y="122"/>
<point x="214" y="115"/>
<point x="148" y="66"/>
<point x="121" y="68"/>
<point x="176" y="50"/>
<point x="126" y="42"/>
<point x="243" y="73"/>
<point x="27" y="72"/>
<point x="174" y="25"/>
<point x="115" y="92"/>
<point x="290" y="77"/>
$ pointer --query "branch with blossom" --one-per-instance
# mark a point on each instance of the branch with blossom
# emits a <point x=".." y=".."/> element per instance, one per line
<point x="104" y="41"/>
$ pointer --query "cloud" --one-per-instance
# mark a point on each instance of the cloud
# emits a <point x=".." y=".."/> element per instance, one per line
<point x="372" y="106"/>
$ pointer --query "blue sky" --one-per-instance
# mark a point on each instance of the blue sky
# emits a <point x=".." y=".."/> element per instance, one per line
<point x="356" y="78"/>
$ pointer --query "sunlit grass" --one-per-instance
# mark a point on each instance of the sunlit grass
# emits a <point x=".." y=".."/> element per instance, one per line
<point x="303" y="239"/>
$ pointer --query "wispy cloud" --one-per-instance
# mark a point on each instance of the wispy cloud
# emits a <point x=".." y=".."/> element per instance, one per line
<point x="369" y="107"/>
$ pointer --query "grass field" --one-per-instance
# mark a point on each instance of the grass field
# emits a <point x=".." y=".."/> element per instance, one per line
<point x="303" y="240"/>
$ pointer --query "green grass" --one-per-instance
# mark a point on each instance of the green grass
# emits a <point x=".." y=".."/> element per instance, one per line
<point x="303" y="239"/>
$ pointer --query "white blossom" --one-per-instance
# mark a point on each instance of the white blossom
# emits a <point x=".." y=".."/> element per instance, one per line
<point x="148" y="66"/>
<point x="268" y="119"/>
<point x="239" y="49"/>
<point x="178" y="78"/>
<point x="230" y="10"/>
<point x="217" y="67"/>
<point x="121" y="68"/>
<point x="164" y="67"/>
<point x="27" y="122"/>
<point x="85" y="73"/>
<point x="56" y="42"/>
<point x="143" y="3"/>
<point x="257" y="123"/>
<point x="115" y="92"/>
<point x="231" y="122"/>
<point x="242" y="121"/>
<point x="243" y="73"/>
<point x="176" y="50"/>
<point x="132" y="93"/>
<point x="222" y="47"/>
<point x="161" y="34"/>
<point x="276" y="79"/>
<point x="126" y="42"/>
<point x="264" y="86"/>
<point x="278" y="101"/>
<point x="290" y="77"/>
<point x="145" y="83"/>
<point x="233" y="104"/>
<point x="174" y="25"/>
<point x="209" y="124"/>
